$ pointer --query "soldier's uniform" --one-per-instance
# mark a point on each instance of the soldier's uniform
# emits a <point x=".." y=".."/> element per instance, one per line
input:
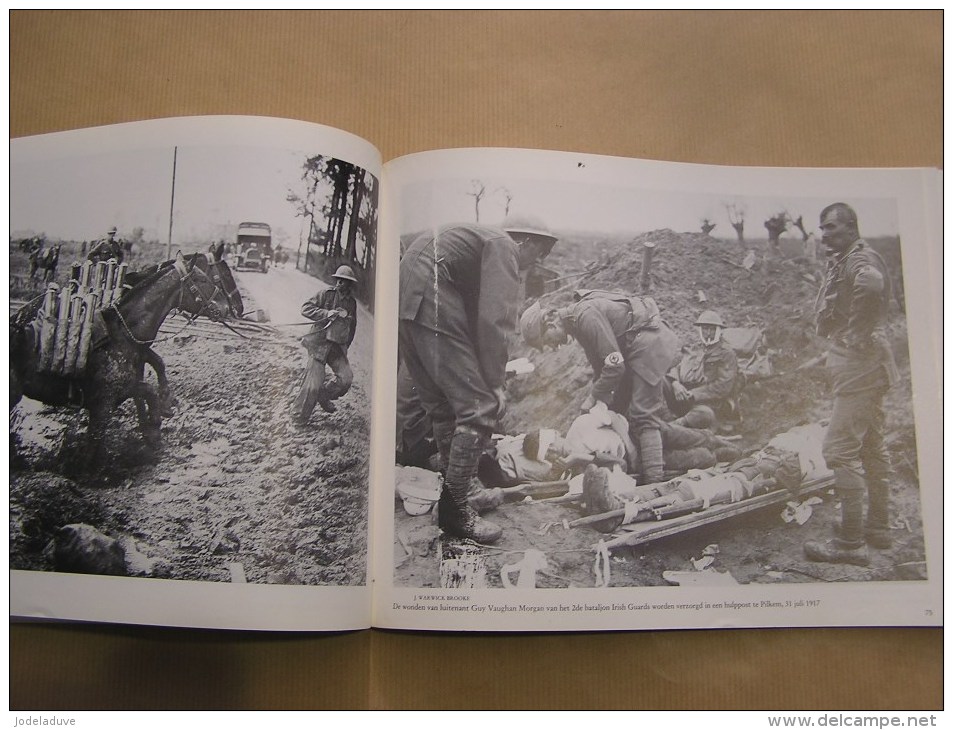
<point x="459" y="289"/>
<point x="107" y="248"/>
<point x="851" y="311"/>
<point x="327" y="344"/>
<point x="630" y="349"/>
<point x="458" y="294"/>
<point x="712" y="376"/>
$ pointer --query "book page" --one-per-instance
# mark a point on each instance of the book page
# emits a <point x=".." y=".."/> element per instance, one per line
<point x="189" y="442"/>
<point x="681" y="367"/>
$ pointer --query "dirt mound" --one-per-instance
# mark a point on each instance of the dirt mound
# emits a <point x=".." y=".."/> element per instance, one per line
<point x="692" y="272"/>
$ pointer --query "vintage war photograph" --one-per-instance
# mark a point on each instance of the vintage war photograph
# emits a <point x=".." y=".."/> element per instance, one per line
<point x="191" y="347"/>
<point x="620" y="385"/>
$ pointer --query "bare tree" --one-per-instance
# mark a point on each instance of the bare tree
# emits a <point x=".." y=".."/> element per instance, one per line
<point x="507" y="200"/>
<point x="799" y="224"/>
<point x="477" y="192"/>
<point x="736" y="214"/>
<point x="776" y="225"/>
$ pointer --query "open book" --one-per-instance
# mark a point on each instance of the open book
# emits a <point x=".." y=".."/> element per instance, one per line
<point x="259" y="479"/>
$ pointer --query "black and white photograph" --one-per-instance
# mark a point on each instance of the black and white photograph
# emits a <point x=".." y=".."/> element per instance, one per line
<point x="608" y="384"/>
<point x="191" y="346"/>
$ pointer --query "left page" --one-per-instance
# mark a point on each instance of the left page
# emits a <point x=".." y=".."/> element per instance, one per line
<point x="191" y="351"/>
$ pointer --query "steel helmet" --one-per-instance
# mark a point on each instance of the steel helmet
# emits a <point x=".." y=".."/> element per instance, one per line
<point x="112" y="229"/>
<point x="710" y="316"/>
<point x="532" y="326"/>
<point x="528" y="224"/>
<point x="346" y="273"/>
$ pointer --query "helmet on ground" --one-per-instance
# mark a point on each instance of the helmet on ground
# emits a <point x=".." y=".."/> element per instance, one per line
<point x="346" y="273"/>
<point x="533" y="325"/>
<point x="710" y="316"/>
<point x="112" y="230"/>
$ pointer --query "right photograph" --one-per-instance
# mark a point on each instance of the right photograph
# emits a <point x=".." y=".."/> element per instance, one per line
<point x="606" y="388"/>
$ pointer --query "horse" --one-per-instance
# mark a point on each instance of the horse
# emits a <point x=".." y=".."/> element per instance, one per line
<point x="48" y="261"/>
<point x="217" y="270"/>
<point x="114" y="370"/>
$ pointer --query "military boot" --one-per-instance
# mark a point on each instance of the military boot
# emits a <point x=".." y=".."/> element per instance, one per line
<point x="442" y="436"/>
<point x="650" y="451"/>
<point x="456" y="517"/>
<point x="837" y="551"/>
<point x="849" y="547"/>
<point x="878" y="511"/>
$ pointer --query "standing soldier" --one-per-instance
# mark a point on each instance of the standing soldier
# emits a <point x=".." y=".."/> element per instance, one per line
<point x="106" y="248"/>
<point x="852" y="314"/>
<point x="629" y="348"/>
<point x="334" y="312"/>
<point x="459" y="291"/>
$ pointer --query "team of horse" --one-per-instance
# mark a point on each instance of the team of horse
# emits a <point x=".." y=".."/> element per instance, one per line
<point x="45" y="259"/>
<point x="124" y="334"/>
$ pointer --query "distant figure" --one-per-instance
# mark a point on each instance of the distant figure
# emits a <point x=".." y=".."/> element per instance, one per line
<point x="707" y="227"/>
<point x="35" y="249"/>
<point x="107" y="248"/>
<point x="49" y="261"/>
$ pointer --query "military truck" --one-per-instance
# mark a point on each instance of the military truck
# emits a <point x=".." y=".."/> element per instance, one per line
<point x="253" y="246"/>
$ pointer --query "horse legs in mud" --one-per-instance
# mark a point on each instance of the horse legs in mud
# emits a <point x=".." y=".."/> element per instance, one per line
<point x="150" y="417"/>
<point x="166" y="399"/>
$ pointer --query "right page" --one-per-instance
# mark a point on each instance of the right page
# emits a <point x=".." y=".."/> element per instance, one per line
<point x="631" y="394"/>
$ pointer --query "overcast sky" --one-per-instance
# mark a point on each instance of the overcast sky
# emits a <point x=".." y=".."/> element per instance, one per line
<point x="80" y="197"/>
<point x="623" y="208"/>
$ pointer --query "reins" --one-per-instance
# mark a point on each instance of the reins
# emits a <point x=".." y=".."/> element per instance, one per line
<point x="185" y="281"/>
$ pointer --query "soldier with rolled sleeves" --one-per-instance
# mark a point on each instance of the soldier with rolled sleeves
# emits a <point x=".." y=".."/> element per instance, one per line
<point x="334" y="312"/>
<point x="459" y="291"/>
<point x="851" y="309"/>
<point x="629" y="348"/>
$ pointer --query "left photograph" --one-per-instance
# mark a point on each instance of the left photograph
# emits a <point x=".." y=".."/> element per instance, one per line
<point x="191" y="345"/>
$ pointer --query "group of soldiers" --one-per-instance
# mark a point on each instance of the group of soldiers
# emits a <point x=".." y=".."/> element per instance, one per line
<point x="459" y="294"/>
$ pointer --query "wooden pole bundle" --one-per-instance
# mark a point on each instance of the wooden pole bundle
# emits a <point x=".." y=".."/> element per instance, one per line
<point x="76" y="320"/>
<point x="62" y="332"/>
<point x="47" y="327"/>
<point x="86" y="337"/>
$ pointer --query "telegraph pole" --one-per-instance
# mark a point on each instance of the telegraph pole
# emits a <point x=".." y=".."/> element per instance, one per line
<point x="175" y="154"/>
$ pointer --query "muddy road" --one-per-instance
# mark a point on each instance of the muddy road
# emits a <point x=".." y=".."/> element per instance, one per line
<point x="236" y="492"/>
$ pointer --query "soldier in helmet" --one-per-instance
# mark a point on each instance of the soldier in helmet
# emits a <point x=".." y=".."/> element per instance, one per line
<point x="629" y="348"/>
<point x="334" y="312"/>
<point x="702" y="390"/>
<point x="459" y="289"/>
<point x="107" y="248"/>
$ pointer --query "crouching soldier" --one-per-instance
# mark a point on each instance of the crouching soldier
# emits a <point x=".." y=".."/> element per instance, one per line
<point x="629" y="348"/>
<point x="334" y="312"/>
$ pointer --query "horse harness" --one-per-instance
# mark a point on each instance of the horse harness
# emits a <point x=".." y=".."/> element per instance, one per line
<point x="186" y="281"/>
